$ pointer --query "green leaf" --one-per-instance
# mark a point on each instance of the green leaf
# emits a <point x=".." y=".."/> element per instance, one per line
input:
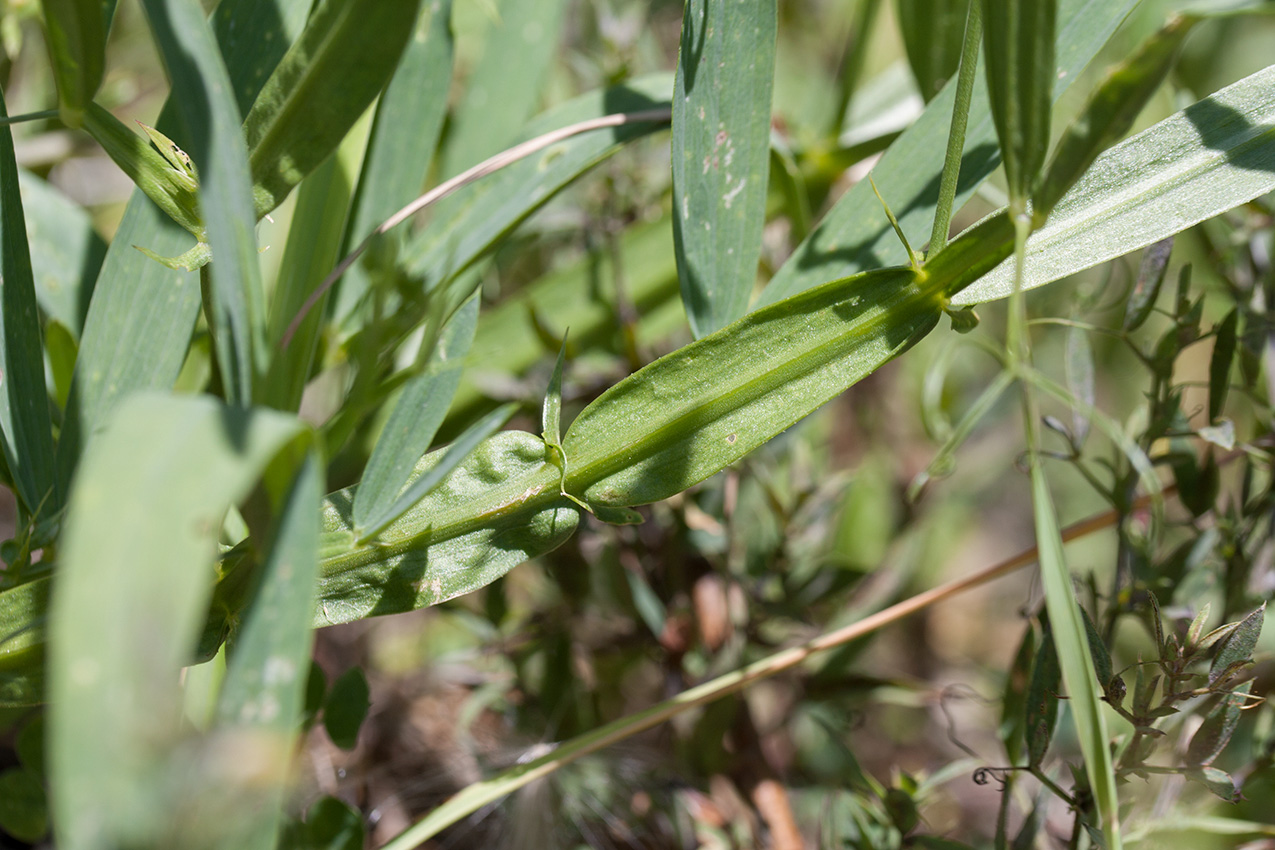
<point x="695" y="411"/>
<point x="1220" y="363"/>
<point x="25" y="425"/>
<point x="1189" y="167"/>
<point x="331" y="824"/>
<point x="721" y="155"/>
<point x="133" y="587"/>
<point x="1151" y="273"/>
<point x="1219" y="782"/>
<point x="404" y="134"/>
<point x="551" y="410"/>
<point x="24" y="812"/>
<point x="933" y="31"/>
<point x="1111" y="111"/>
<point x="1018" y="42"/>
<point x="171" y="189"/>
<point x="77" y="42"/>
<point x="1238" y="646"/>
<point x="345" y="708"/>
<point x="317" y="93"/>
<point x="1041" y="703"/>
<point x="314" y="239"/>
<point x="1071" y="641"/>
<point x="520" y="46"/>
<point x="501" y="506"/>
<point x="853" y="236"/>
<point x="1215" y="732"/>
<point x="420" y="486"/>
<point x="22" y="638"/>
<point x="1013" y="723"/>
<point x="215" y="144"/>
<point x="414" y="422"/>
<point x="1097" y="650"/>
<point x="264" y="690"/>
<point x="66" y="252"/>
<point x="502" y="201"/>
<point x="1079" y="369"/>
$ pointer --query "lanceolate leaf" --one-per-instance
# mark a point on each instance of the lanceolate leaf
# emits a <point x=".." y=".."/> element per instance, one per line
<point x="134" y="579"/>
<point x="854" y="235"/>
<point x="66" y="252"/>
<point x="342" y="60"/>
<point x="77" y="40"/>
<point x="932" y="32"/>
<point x="721" y="154"/>
<point x="1018" y="36"/>
<point x="25" y="425"/>
<point x="1210" y="157"/>
<point x="499" y="508"/>
<point x="414" y="421"/>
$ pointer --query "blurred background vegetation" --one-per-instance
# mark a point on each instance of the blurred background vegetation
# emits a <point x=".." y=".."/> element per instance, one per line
<point x="874" y="745"/>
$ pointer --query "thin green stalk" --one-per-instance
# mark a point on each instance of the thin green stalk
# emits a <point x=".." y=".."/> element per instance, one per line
<point x="29" y="116"/>
<point x="956" y="136"/>
<point x="480" y="794"/>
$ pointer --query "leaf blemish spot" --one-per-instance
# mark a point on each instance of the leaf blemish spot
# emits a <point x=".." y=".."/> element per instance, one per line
<point x="731" y="438"/>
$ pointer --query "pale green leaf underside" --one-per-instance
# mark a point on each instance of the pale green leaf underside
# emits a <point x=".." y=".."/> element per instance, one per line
<point x="1212" y="156"/>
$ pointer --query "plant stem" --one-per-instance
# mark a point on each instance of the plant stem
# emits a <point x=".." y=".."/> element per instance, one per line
<point x="30" y="116"/>
<point x="956" y="136"/>
<point x="476" y="796"/>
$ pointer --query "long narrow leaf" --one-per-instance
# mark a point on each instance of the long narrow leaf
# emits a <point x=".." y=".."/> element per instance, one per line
<point x="854" y="235"/>
<point x="1197" y="163"/>
<point x="263" y="693"/>
<point x="25" y="424"/>
<point x="77" y="40"/>
<point x="1071" y="643"/>
<point x="1019" y="57"/>
<point x="421" y="486"/>
<point x="342" y="60"/>
<point x="721" y="155"/>
<point x="216" y="146"/>
<point x="414" y="421"/>
<point x="133" y="583"/>
<point x="66" y="252"/>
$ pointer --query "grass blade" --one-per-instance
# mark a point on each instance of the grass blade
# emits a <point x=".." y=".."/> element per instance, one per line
<point x="721" y="155"/>
<point x="66" y="252"/>
<point x="263" y="693"/>
<point x="25" y="425"/>
<point x="317" y="93"/>
<point x="133" y="585"/>
<point x="1072" y="646"/>
<point x="1019" y="39"/>
<point x="1195" y="164"/>
<point x="854" y="236"/>
<point x="77" y="42"/>
<point x="314" y="239"/>
<point x="451" y="458"/>
<point x="217" y="148"/>
<point x="933" y="33"/>
<point x="414" y="421"/>
<point x="405" y="132"/>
